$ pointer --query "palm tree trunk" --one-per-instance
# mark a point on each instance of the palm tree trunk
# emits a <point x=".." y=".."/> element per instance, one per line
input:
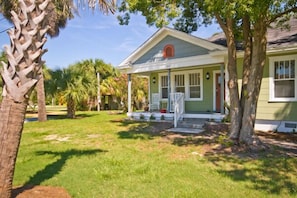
<point x="12" y="116"/>
<point x="70" y="108"/>
<point x="19" y="76"/>
<point x="41" y="99"/>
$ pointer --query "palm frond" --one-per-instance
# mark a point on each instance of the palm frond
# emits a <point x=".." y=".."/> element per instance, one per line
<point x="106" y="6"/>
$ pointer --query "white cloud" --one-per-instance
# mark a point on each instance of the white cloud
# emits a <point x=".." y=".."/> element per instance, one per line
<point x="128" y="45"/>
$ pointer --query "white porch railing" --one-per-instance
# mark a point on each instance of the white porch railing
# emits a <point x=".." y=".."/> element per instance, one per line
<point x="178" y="106"/>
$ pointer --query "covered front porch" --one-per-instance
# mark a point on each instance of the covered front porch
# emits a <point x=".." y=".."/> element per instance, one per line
<point x="186" y="77"/>
<point x="158" y="116"/>
<point x="196" y="92"/>
<point x="176" y="112"/>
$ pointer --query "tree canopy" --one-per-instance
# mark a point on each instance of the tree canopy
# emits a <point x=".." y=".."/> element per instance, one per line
<point x="188" y="15"/>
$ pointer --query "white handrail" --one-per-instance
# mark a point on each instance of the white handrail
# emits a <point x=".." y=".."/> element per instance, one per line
<point x="178" y="106"/>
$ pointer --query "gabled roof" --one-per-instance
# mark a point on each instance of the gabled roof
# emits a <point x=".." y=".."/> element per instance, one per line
<point x="161" y="34"/>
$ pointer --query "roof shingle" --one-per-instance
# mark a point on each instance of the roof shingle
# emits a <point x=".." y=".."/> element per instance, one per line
<point x="276" y="37"/>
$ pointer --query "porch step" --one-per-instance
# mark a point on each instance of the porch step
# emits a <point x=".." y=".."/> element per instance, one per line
<point x="189" y="125"/>
<point x="193" y="123"/>
<point x="185" y="130"/>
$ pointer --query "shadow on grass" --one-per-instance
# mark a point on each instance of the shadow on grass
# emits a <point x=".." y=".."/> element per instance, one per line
<point x="273" y="170"/>
<point x="54" y="168"/>
<point x="142" y="130"/>
<point x="77" y="116"/>
<point x="206" y="137"/>
<point x="269" y="171"/>
<point x="149" y="129"/>
<point x="60" y="117"/>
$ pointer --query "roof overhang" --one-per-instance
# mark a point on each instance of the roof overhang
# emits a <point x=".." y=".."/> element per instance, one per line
<point x="273" y="51"/>
<point x="279" y="50"/>
<point x="174" y="64"/>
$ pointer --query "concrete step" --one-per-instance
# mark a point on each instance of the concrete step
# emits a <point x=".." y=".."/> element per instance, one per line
<point x="185" y="130"/>
<point x="191" y="123"/>
<point x="189" y="126"/>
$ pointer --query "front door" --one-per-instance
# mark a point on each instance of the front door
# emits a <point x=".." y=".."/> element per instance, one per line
<point x="218" y="98"/>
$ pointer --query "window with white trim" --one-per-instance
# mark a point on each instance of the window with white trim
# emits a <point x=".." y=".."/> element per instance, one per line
<point x="164" y="87"/>
<point x="188" y="82"/>
<point x="194" y="85"/>
<point x="179" y="81"/>
<point x="283" y="78"/>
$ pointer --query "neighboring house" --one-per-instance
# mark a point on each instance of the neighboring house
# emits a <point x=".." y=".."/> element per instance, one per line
<point x="188" y="76"/>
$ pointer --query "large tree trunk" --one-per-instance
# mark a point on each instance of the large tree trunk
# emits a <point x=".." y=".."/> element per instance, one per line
<point x="12" y="116"/>
<point x="41" y="99"/>
<point x="235" y="108"/>
<point x="254" y="82"/>
<point x="247" y="58"/>
<point x="19" y="78"/>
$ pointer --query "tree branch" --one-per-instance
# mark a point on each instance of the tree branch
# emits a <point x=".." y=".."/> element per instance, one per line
<point x="274" y="17"/>
<point x="221" y="22"/>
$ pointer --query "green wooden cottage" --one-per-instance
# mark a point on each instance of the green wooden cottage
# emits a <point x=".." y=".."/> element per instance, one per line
<point x="188" y="76"/>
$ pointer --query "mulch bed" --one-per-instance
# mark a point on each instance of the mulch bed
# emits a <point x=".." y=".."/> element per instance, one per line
<point x="39" y="192"/>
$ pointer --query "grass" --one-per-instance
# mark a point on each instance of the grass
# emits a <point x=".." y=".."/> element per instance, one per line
<point x="98" y="155"/>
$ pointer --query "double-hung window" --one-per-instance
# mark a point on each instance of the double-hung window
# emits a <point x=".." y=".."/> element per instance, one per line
<point x="179" y="81"/>
<point x="164" y="87"/>
<point x="194" y="85"/>
<point x="188" y="82"/>
<point x="283" y="78"/>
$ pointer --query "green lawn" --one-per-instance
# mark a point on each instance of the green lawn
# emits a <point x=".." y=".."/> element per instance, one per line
<point x="98" y="155"/>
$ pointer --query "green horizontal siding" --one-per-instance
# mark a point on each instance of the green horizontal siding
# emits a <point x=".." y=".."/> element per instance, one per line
<point x="206" y="105"/>
<point x="270" y="110"/>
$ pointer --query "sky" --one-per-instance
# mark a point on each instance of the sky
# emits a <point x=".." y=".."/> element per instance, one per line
<point x="93" y="35"/>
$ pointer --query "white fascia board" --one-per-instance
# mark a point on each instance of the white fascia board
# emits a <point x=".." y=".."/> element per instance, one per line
<point x="272" y="51"/>
<point x="196" y="40"/>
<point x="219" y="53"/>
<point x="281" y="50"/>
<point x="176" y="63"/>
<point x="147" y="45"/>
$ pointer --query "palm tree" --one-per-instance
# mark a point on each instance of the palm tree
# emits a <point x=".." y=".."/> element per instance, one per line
<point x="78" y="84"/>
<point x="33" y="20"/>
<point x="41" y="94"/>
<point x="53" y="84"/>
<point x="75" y="88"/>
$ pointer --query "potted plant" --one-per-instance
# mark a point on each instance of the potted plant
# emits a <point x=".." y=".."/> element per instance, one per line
<point x="162" y="110"/>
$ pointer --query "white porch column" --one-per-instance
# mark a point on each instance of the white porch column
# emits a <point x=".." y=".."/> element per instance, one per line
<point x="169" y="91"/>
<point x="98" y="92"/>
<point x="129" y="93"/>
<point x="222" y="89"/>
